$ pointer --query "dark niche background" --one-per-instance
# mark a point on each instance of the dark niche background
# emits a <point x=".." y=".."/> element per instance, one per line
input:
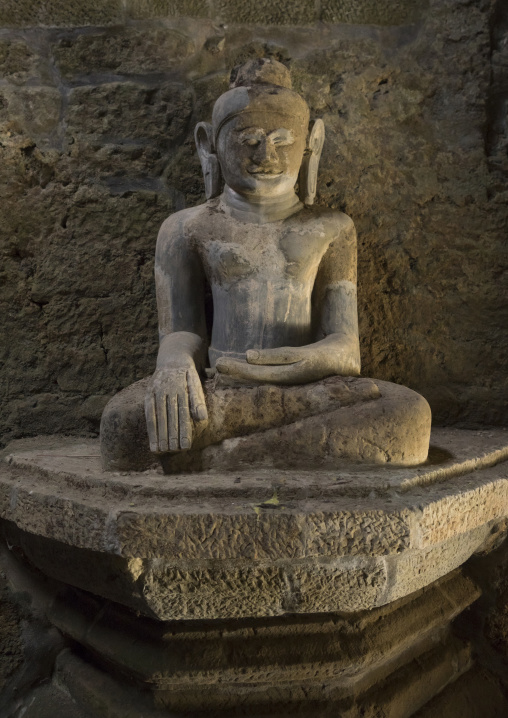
<point x="98" y="102"/>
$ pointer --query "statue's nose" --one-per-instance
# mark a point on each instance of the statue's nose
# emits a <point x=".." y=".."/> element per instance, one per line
<point x="265" y="152"/>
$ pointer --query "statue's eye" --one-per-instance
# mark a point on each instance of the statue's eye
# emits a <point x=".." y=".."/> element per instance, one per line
<point x="280" y="141"/>
<point x="251" y="142"/>
<point x="284" y="139"/>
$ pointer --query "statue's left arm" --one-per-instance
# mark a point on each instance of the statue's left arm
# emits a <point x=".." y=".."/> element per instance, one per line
<point x="334" y="302"/>
<point x="336" y="350"/>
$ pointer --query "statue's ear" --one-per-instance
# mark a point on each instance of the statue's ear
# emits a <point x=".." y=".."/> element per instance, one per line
<point x="310" y="163"/>
<point x="203" y="134"/>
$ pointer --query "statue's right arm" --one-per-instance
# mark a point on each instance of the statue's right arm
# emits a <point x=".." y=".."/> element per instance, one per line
<point x="174" y="404"/>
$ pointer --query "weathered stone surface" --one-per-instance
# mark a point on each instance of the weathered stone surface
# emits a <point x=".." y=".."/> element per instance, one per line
<point x="143" y="9"/>
<point x="439" y="520"/>
<point x="497" y="138"/>
<point x="11" y="640"/>
<point x="135" y="51"/>
<point x="392" y="429"/>
<point x="34" y="111"/>
<point x="486" y="626"/>
<point x="254" y="542"/>
<point x="422" y="679"/>
<point x="346" y="534"/>
<point x="496" y="625"/>
<point x="49" y="701"/>
<point x="473" y="693"/>
<point x="383" y="631"/>
<point x="19" y="62"/>
<point x="263" y="12"/>
<point x="414" y="569"/>
<point x="339" y="419"/>
<point x="86" y="362"/>
<point x="118" y="110"/>
<point x="54" y="13"/>
<point x="369" y="12"/>
<point x="390" y="657"/>
<point x="261" y="590"/>
<point x="100" y="694"/>
<point x="418" y="682"/>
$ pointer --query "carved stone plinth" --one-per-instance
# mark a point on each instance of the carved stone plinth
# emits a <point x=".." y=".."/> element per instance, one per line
<point x="189" y="585"/>
<point x="391" y="660"/>
<point x="253" y="543"/>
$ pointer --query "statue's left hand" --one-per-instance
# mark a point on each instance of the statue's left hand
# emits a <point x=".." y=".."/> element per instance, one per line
<point x="296" y="365"/>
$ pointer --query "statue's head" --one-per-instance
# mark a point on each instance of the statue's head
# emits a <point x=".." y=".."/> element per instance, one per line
<point x="259" y="140"/>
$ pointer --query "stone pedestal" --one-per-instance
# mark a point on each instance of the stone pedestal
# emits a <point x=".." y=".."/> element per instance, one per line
<point x="264" y="592"/>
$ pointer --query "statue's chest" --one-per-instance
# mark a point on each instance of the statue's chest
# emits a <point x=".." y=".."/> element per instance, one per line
<point x="265" y="254"/>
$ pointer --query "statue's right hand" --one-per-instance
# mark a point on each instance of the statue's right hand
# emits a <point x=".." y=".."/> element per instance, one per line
<point x="175" y="409"/>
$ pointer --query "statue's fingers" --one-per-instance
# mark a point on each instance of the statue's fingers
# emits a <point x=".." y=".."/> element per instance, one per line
<point x="196" y="397"/>
<point x="298" y="373"/>
<point x="286" y="374"/>
<point x="279" y="355"/>
<point x="184" y="421"/>
<point x="283" y="374"/>
<point x="161" y="402"/>
<point x="173" y="422"/>
<point x="228" y="366"/>
<point x="151" y="421"/>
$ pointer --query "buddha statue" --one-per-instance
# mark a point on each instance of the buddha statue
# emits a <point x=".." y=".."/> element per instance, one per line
<point x="275" y="380"/>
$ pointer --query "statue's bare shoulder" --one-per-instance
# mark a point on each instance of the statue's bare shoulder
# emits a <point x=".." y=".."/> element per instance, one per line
<point x="331" y="229"/>
<point x="180" y="236"/>
<point x="332" y="220"/>
<point x="177" y="228"/>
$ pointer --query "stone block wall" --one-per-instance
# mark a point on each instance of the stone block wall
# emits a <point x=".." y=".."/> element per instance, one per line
<point x="97" y="107"/>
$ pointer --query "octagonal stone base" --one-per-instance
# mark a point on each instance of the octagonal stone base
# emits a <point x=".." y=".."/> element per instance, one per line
<point x="262" y="592"/>
<point x="388" y="661"/>
<point x="255" y="543"/>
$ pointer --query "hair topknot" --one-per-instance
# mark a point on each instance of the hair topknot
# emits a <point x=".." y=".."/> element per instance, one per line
<point x="261" y="71"/>
<point x="260" y="85"/>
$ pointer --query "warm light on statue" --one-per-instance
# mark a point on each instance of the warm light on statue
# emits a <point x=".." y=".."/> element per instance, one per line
<point x="283" y="282"/>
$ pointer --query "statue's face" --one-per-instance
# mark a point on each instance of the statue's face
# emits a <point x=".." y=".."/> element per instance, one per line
<point x="260" y="153"/>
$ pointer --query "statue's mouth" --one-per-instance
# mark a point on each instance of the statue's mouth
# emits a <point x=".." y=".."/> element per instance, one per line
<point x="264" y="174"/>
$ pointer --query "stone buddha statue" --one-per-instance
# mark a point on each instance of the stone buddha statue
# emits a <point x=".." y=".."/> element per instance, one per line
<point x="274" y="381"/>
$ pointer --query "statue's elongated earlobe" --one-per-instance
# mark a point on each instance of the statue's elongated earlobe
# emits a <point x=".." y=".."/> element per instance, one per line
<point x="310" y="163"/>
<point x="203" y="134"/>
